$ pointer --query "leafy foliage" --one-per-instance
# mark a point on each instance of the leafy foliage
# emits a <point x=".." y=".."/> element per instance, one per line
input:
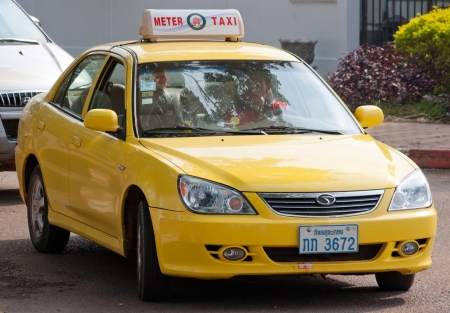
<point x="426" y="38"/>
<point x="372" y="74"/>
<point x="428" y="108"/>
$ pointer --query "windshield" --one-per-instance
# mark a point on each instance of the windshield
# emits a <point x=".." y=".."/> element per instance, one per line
<point x="236" y="96"/>
<point x="15" y="24"/>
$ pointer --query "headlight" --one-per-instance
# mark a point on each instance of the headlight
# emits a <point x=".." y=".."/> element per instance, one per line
<point x="412" y="193"/>
<point x="202" y="196"/>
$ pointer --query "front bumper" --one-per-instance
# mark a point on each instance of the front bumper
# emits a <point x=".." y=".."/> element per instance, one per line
<point x="188" y="244"/>
<point x="7" y="144"/>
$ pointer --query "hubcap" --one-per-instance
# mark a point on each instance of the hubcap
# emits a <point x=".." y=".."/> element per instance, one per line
<point x="37" y="208"/>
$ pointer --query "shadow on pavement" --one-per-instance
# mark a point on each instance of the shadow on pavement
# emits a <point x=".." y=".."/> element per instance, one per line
<point x="10" y="197"/>
<point x="88" y="271"/>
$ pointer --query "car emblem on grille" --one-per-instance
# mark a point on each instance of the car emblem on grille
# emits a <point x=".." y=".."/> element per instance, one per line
<point x="325" y="199"/>
<point x="25" y="100"/>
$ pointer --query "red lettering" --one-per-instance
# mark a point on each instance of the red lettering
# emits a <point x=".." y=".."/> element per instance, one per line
<point x="221" y="21"/>
<point x="168" y="21"/>
<point x="214" y="19"/>
<point x="235" y="21"/>
<point x="229" y="21"/>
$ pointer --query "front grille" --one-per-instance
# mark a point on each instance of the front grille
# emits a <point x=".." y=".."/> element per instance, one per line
<point x="11" y="128"/>
<point x="281" y="255"/>
<point x="306" y="204"/>
<point x="14" y="99"/>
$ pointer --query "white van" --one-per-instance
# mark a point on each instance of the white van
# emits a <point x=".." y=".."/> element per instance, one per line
<point x="25" y="50"/>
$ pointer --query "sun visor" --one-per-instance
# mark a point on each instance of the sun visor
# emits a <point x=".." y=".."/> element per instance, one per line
<point x="226" y="24"/>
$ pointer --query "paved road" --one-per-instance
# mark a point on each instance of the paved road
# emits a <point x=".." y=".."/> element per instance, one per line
<point x="89" y="278"/>
<point x="411" y="135"/>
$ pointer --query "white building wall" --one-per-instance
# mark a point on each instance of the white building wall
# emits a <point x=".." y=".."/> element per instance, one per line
<point x="78" y="25"/>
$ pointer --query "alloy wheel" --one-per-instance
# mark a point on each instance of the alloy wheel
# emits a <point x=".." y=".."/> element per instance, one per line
<point x="37" y="208"/>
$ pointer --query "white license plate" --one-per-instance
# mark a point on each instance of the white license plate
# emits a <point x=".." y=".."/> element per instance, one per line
<point x="328" y="239"/>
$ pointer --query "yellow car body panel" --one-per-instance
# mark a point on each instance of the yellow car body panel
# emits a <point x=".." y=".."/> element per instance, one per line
<point x="187" y="237"/>
<point x="272" y="164"/>
<point x="47" y="141"/>
<point x="165" y="51"/>
<point x="249" y="164"/>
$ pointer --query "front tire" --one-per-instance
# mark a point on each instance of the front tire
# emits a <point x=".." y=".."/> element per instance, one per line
<point x="153" y="285"/>
<point x="394" y="281"/>
<point x="45" y="237"/>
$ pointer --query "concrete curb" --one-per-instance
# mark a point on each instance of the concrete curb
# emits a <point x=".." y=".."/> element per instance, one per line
<point x="430" y="158"/>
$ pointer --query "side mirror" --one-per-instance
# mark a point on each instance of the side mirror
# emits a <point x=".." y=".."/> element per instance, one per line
<point x="102" y="120"/>
<point x="369" y="115"/>
<point x="36" y="21"/>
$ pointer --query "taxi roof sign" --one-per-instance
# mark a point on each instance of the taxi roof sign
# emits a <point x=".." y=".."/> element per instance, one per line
<point x="226" y="24"/>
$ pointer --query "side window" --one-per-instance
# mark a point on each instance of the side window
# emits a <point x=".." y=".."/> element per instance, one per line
<point x="73" y="91"/>
<point x="111" y="91"/>
<point x="61" y="93"/>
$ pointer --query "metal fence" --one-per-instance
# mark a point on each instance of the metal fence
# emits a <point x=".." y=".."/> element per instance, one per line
<point x="380" y="19"/>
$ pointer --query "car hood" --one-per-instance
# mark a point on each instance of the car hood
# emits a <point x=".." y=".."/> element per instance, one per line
<point x="289" y="163"/>
<point x="26" y="67"/>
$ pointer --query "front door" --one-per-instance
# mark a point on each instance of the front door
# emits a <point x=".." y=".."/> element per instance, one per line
<point x="96" y="157"/>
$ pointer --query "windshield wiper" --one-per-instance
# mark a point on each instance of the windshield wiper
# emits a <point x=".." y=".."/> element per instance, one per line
<point x="177" y="129"/>
<point x="292" y="130"/>
<point x="188" y="130"/>
<point x="32" y="41"/>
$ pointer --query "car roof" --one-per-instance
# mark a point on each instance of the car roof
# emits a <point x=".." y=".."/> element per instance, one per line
<point x="189" y="50"/>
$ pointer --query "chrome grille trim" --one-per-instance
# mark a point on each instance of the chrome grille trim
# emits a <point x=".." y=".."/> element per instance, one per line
<point x="14" y="99"/>
<point x="305" y="205"/>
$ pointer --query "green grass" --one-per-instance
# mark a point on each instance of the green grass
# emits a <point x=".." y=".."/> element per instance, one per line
<point x="427" y="109"/>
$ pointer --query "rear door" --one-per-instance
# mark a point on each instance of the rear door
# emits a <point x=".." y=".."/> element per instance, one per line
<point x="53" y="129"/>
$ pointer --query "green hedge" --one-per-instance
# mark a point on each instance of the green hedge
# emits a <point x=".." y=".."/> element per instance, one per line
<point x="427" y="38"/>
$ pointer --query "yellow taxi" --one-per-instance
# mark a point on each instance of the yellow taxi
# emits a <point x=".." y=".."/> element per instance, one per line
<point x="204" y="156"/>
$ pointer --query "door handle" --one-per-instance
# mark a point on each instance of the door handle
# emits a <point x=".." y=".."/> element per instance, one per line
<point x="76" y="141"/>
